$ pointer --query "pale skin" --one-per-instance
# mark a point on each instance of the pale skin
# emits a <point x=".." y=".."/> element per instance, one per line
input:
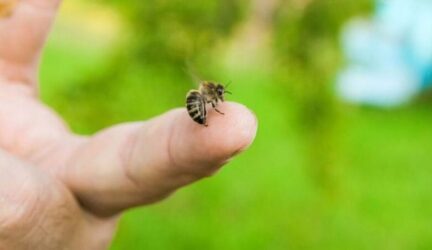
<point x="59" y="190"/>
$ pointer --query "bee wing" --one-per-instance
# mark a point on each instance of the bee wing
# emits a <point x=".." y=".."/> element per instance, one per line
<point x="192" y="72"/>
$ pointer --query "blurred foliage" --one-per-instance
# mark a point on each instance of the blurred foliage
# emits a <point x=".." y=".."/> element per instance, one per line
<point x="375" y="164"/>
<point x="160" y="38"/>
<point x="306" y="45"/>
<point x="173" y="32"/>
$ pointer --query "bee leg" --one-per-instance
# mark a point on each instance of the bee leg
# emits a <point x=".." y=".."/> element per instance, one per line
<point x="217" y="110"/>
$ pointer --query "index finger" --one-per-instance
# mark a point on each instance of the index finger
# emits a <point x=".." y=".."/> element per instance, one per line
<point x="24" y="26"/>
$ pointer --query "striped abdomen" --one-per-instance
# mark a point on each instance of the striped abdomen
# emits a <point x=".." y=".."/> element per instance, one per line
<point x="195" y="105"/>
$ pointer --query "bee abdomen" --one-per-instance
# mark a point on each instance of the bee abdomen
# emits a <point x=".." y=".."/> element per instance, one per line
<point x="195" y="105"/>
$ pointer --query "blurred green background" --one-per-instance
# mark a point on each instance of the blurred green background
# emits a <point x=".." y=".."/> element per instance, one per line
<point x="320" y="175"/>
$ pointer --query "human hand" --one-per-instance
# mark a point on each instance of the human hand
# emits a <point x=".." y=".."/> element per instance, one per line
<point x="59" y="190"/>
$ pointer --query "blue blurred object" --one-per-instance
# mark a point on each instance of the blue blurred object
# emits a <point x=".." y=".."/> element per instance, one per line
<point x="389" y="55"/>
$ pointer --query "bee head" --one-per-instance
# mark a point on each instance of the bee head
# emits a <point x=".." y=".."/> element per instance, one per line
<point x="220" y="91"/>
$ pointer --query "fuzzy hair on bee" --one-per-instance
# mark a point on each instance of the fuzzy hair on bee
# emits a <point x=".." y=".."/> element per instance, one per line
<point x="197" y="100"/>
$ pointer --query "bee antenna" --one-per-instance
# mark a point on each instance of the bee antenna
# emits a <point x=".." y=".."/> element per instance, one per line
<point x="228" y="84"/>
<point x="228" y="92"/>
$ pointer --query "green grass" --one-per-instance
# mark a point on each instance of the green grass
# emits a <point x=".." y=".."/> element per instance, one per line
<point x="266" y="198"/>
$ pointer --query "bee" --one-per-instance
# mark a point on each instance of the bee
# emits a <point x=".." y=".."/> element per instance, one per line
<point x="208" y="93"/>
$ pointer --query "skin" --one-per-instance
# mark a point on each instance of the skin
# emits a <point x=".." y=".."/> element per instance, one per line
<point x="59" y="190"/>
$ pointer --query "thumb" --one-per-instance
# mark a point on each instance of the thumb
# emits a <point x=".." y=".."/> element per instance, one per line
<point x="140" y="163"/>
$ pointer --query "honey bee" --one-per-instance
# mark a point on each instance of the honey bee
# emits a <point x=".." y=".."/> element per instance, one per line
<point x="208" y="93"/>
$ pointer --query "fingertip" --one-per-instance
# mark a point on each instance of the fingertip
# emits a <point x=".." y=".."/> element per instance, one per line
<point x="235" y="131"/>
<point x="226" y="136"/>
